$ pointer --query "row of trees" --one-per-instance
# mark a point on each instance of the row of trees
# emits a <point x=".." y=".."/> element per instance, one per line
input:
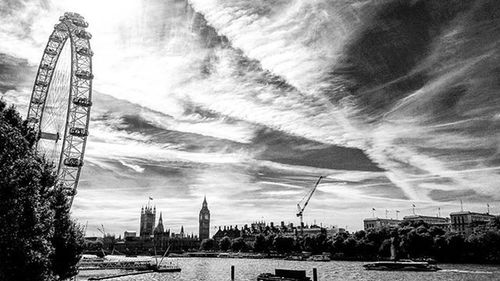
<point x="410" y="239"/>
<point x="38" y="239"/>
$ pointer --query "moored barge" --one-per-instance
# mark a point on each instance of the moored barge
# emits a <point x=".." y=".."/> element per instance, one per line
<point x="284" y="275"/>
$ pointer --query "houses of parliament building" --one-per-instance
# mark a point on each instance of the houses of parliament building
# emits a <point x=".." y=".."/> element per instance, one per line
<point x="161" y="237"/>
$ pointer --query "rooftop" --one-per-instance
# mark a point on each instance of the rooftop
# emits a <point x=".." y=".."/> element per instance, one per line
<point x="470" y="213"/>
<point x="423" y="217"/>
<point x="382" y="219"/>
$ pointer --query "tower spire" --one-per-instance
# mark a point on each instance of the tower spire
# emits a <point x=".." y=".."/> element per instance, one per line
<point x="205" y="204"/>
<point x="159" y="228"/>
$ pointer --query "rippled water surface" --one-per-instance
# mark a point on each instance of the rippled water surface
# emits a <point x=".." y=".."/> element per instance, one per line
<point x="212" y="269"/>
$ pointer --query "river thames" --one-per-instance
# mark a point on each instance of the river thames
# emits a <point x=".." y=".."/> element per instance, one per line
<point x="217" y="269"/>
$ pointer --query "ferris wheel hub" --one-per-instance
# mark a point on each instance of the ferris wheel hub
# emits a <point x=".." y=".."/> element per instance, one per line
<point x="50" y="136"/>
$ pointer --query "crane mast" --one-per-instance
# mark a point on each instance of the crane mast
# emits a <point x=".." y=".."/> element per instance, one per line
<point x="301" y="209"/>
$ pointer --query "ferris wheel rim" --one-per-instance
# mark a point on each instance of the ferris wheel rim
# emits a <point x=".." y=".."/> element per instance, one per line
<point x="72" y="29"/>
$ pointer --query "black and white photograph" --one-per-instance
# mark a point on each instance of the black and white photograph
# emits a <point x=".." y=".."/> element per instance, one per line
<point x="249" y="140"/>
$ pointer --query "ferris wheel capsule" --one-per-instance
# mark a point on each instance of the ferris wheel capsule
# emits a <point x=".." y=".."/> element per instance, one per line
<point x="84" y="74"/>
<point x="46" y="66"/>
<point x="51" y="52"/>
<point x="78" y="132"/>
<point x="72" y="15"/>
<point x="80" y="23"/>
<point x="83" y="102"/>
<point x="84" y="51"/>
<point x="83" y="34"/>
<point x="60" y="27"/>
<point x="73" y="162"/>
<point x="57" y="39"/>
<point x="42" y="83"/>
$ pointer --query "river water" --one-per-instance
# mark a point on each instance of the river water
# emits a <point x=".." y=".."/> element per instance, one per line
<point x="219" y="269"/>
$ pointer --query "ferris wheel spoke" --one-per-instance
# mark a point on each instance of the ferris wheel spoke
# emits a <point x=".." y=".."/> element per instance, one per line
<point x="57" y="100"/>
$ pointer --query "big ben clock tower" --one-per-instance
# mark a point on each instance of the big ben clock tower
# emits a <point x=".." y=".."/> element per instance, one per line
<point x="204" y="221"/>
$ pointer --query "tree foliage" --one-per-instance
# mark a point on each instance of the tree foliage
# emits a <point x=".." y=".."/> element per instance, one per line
<point x="414" y="240"/>
<point x="225" y="243"/>
<point x="208" y="244"/>
<point x="38" y="239"/>
<point x="238" y="244"/>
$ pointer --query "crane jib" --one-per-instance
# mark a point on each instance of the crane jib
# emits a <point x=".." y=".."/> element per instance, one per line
<point x="301" y="210"/>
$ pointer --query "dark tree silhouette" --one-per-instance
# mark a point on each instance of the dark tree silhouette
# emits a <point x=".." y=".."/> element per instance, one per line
<point x="38" y="239"/>
<point x="238" y="244"/>
<point x="410" y="240"/>
<point x="225" y="243"/>
<point x="67" y="239"/>
<point x="208" y="244"/>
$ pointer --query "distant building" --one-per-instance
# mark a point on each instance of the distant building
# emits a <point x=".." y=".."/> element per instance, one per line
<point x="227" y="231"/>
<point x="249" y="233"/>
<point x="204" y="219"/>
<point x="157" y="238"/>
<point x="430" y="220"/>
<point x="151" y="240"/>
<point x="371" y="223"/>
<point x="332" y="231"/>
<point x="314" y="230"/>
<point x="465" y="221"/>
<point x="260" y="224"/>
<point x="129" y="234"/>
<point x="177" y="242"/>
<point x="148" y="219"/>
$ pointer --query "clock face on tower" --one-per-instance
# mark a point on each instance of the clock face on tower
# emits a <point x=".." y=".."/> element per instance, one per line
<point x="206" y="216"/>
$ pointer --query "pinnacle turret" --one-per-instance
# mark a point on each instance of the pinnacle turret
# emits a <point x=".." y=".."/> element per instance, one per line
<point x="159" y="228"/>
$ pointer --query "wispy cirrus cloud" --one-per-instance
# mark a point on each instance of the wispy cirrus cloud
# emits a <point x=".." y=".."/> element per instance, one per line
<point x="254" y="120"/>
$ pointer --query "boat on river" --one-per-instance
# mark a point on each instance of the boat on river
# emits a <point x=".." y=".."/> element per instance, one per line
<point x="165" y="268"/>
<point x="401" y="266"/>
<point x="284" y="275"/>
<point x="104" y="264"/>
<point x="319" y="258"/>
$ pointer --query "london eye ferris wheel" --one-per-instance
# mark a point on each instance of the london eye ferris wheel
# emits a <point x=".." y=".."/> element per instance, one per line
<point x="59" y="109"/>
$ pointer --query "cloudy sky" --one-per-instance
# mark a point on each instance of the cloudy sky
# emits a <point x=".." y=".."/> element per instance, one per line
<point x="249" y="102"/>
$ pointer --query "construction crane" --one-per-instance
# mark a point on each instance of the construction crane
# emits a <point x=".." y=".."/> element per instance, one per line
<point x="102" y="230"/>
<point x="301" y="209"/>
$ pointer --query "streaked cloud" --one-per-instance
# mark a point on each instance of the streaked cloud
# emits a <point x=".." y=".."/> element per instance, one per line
<point x="252" y="123"/>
